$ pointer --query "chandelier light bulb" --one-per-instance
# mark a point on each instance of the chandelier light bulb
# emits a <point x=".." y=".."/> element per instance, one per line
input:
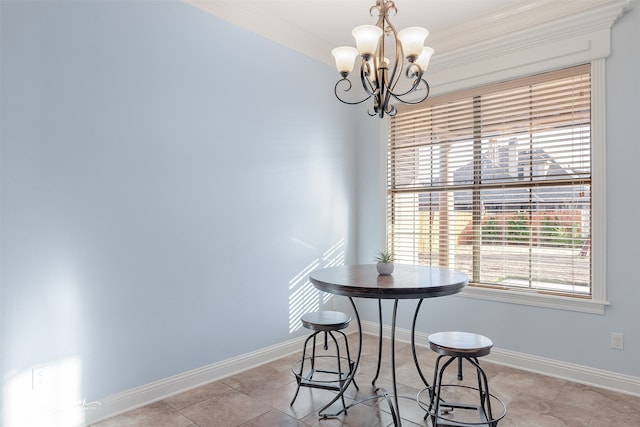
<point x="412" y="40"/>
<point x="367" y="37"/>
<point x="345" y="57"/>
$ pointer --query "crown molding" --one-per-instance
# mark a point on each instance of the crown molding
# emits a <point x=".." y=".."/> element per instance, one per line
<point x="526" y="22"/>
<point x="529" y="17"/>
<point x="547" y="42"/>
<point x="534" y="28"/>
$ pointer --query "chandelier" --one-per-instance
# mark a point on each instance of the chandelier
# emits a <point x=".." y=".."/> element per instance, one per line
<point x="378" y="75"/>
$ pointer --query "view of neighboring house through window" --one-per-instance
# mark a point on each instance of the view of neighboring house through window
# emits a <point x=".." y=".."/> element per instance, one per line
<point x="496" y="182"/>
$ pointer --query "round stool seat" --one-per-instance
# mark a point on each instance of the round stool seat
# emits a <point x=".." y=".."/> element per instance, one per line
<point x="460" y="344"/>
<point x="325" y="320"/>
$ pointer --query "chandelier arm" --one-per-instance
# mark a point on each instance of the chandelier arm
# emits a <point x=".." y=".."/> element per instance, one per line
<point x="386" y="106"/>
<point x="415" y="86"/>
<point x="417" y="73"/>
<point x="391" y="110"/>
<point x="335" y="91"/>
<point x="389" y="78"/>
<point x="398" y="63"/>
<point x="367" y="84"/>
<point x="373" y="87"/>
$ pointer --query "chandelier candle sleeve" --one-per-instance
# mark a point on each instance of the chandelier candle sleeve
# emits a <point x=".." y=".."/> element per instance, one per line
<point x="379" y="75"/>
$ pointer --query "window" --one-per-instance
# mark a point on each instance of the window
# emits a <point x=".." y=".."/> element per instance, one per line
<point x="497" y="182"/>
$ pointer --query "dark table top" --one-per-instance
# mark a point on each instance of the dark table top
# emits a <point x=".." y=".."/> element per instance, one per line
<point x="406" y="282"/>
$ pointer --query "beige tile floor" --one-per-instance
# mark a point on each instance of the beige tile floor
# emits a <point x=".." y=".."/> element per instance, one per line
<point x="260" y="397"/>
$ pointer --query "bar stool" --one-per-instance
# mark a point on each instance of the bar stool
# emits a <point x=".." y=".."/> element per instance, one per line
<point x="460" y="346"/>
<point x="328" y="323"/>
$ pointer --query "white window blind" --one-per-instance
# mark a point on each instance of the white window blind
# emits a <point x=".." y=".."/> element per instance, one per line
<point x="496" y="182"/>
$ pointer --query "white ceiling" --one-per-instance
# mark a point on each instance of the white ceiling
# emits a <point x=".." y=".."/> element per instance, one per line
<point x="332" y="20"/>
<point x="314" y="27"/>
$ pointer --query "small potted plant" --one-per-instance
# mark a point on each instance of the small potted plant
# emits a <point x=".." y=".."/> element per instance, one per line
<point x="385" y="262"/>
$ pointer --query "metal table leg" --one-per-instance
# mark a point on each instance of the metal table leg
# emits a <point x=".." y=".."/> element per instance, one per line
<point x="373" y="383"/>
<point x="398" y="420"/>
<point x="394" y="406"/>
<point x="396" y="416"/>
<point x="413" y="343"/>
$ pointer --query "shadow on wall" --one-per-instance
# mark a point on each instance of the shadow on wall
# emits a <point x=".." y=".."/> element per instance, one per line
<point x="303" y="296"/>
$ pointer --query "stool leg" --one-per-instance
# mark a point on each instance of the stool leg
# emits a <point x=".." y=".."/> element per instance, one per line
<point x="351" y="362"/>
<point x="340" y="380"/>
<point x="299" y="376"/>
<point x="440" y="400"/>
<point x="313" y="355"/>
<point x="474" y="361"/>
<point x="460" y="369"/>
<point x="483" y="386"/>
<point x="434" y="405"/>
<point x="432" y="391"/>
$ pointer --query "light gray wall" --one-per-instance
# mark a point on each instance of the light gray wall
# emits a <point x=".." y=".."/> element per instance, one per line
<point x="159" y="197"/>
<point x="562" y="335"/>
<point x="166" y="177"/>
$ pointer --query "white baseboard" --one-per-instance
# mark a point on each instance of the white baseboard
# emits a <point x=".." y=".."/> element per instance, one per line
<point x="158" y="390"/>
<point x="568" y="371"/>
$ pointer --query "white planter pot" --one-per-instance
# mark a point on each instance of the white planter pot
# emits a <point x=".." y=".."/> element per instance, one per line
<point x="385" y="268"/>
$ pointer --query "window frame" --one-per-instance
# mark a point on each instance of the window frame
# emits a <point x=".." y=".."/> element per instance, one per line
<point x="597" y="301"/>
<point x="530" y="41"/>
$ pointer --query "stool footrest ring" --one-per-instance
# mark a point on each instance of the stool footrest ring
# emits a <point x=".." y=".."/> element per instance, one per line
<point x="449" y="406"/>
<point x="331" y="380"/>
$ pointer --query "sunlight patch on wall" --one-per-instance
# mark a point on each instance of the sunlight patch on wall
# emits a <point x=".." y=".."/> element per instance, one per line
<point x="47" y="395"/>
<point x="332" y="257"/>
<point x="303" y="296"/>
<point x="46" y="389"/>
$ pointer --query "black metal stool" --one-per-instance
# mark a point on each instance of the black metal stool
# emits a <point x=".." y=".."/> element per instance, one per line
<point x="327" y="322"/>
<point x="459" y="346"/>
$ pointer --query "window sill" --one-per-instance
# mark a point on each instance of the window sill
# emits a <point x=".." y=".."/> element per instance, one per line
<point x="535" y="299"/>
